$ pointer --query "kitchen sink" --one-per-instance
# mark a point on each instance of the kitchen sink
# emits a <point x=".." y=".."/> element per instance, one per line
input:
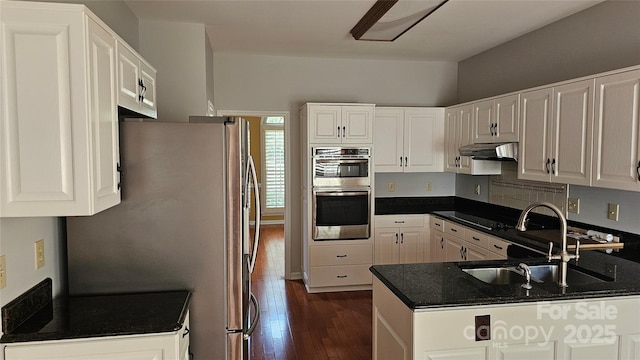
<point x="539" y="274"/>
<point x="498" y="275"/>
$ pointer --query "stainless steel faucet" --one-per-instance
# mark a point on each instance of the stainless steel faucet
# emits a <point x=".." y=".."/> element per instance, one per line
<point x="564" y="256"/>
<point x="527" y="274"/>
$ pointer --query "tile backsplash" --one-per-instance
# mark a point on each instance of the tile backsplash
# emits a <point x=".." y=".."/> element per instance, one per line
<point x="507" y="190"/>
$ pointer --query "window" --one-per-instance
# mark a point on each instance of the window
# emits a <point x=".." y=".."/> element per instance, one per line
<point x="272" y="129"/>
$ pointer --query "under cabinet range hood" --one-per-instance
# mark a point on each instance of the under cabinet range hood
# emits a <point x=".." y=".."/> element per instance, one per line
<point x="498" y="151"/>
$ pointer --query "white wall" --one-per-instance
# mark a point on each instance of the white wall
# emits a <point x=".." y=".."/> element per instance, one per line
<point x="414" y="184"/>
<point x="594" y="204"/>
<point x="279" y="83"/>
<point x="601" y="38"/>
<point x="178" y="52"/>
<point x="17" y="244"/>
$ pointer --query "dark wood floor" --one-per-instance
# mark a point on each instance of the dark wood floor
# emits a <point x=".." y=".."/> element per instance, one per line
<point x="297" y="325"/>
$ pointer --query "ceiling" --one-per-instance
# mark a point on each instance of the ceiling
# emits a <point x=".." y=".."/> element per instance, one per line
<point x="320" y="28"/>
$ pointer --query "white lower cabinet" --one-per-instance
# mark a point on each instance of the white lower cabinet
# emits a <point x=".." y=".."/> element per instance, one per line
<point x="334" y="266"/>
<point x="454" y="242"/>
<point x="598" y="329"/>
<point x="401" y="239"/>
<point x="159" y="346"/>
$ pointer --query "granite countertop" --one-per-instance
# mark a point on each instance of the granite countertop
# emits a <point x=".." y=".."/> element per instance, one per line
<point x="102" y="315"/>
<point x="437" y="285"/>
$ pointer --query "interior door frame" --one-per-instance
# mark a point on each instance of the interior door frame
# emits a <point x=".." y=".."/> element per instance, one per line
<point x="287" y="175"/>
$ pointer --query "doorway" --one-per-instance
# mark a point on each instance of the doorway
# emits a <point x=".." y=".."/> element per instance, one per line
<point x="287" y="178"/>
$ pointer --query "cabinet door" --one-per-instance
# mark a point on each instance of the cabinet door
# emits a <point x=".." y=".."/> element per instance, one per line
<point x="411" y="242"/>
<point x="44" y="153"/>
<point x="103" y="117"/>
<point x="535" y="109"/>
<point x="438" y="248"/>
<point x="454" y="251"/>
<point x="424" y="140"/>
<point x="474" y="253"/>
<point x="325" y="124"/>
<point x="357" y="124"/>
<point x="466" y="138"/>
<point x="388" y="140"/>
<point x="507" y="118"/>
<point x="387" y="241"/>
<point x="484" y="122"/>
<point x="572" y="133"/>
<point x="148" y="76"/>
<point x="616" y="149"/>
<point x="128" y="78"/>
<point x="452" y="139"/>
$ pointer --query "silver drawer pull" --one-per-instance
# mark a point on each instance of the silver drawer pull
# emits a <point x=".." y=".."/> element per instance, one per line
<point x="341" y="256"/>
<point x="497" y="247"/>
<point x="341" y="276"/>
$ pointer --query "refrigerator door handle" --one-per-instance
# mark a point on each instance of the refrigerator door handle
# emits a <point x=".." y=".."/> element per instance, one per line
<point x="256" y="235"/>
<point x="256" y="317"/>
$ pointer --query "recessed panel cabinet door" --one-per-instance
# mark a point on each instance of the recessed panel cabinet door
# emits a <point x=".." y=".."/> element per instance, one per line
<point x="424" y="140"/>
<point x="357" y="124"/>
<point x="388" y="140"/>
<point x="44" y="153"/>
<point x="103" y="117"/>
<point x="616" y="146"/>
<point x="325" y="124"/>
<point x="535" y="135"/>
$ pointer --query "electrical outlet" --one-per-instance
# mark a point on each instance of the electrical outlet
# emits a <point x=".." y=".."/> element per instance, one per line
<point x="392" y="187"/>
<point x="428" y="186"/>
<point x="39" y="251"/>
<point x="613" y="212"/>
<point x="3" y="272"/>
<point x="573" y="205"/>
<point x="477" y="189"/>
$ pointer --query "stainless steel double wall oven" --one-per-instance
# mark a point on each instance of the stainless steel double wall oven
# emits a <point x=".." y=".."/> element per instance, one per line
<point x="341" y="193"/>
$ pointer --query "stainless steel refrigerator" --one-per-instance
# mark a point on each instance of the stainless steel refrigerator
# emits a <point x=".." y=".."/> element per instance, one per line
<point x="183" y="223"/>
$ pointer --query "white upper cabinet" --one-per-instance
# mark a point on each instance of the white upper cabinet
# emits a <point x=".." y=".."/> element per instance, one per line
<point x="59" y="153"/>
<point x="136" y="82"/>
<point x="409" y="139"/>
<point x="555" y="144"/>
<point x="340" y="123"/>
<point x="459" y="132"/>
<point x="616" y="145"/>
<point x="496" y="120"/>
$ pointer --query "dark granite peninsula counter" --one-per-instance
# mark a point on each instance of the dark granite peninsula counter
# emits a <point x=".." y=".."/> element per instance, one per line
<point x="444" y="310"/>
<point x="35" y="318"/>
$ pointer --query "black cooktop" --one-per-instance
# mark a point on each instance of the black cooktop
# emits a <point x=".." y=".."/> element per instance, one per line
<point x="484" y="223"/>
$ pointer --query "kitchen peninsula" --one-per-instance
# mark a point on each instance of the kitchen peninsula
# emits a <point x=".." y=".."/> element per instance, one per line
<point x="441" y="310"/>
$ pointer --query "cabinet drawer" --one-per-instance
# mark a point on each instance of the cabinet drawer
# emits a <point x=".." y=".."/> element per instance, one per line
<point x="341" y="255"/>
<point x="437" y="223"/>
<point x="498" y="246"/>
<point x="476" y="238"/>
<point x="399" y="221"/>
<point x="454" y="229"/>
<point x="339" y="275"/>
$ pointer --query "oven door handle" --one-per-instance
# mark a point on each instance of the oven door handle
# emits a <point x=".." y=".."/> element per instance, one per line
<point x="340" y="193"/>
